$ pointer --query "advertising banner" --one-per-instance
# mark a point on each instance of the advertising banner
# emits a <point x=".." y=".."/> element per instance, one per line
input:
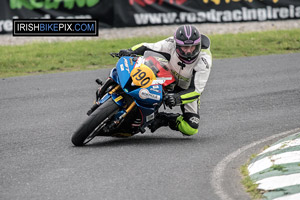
<point x="159" y="12"/>
<point x="54" y="9"/>
<point x="130" y="13"/>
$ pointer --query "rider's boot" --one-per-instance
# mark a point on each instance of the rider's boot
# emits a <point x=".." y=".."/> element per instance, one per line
<point x="164" y="119"/>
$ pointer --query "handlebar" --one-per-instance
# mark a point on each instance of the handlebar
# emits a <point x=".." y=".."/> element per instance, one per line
<point x="118" y="55"/>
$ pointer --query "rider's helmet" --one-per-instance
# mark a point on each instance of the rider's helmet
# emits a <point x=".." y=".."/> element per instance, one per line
<point x="187" y="36"/>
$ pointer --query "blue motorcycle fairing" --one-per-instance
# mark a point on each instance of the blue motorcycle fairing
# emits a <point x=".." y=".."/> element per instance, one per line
<point x="114" y="75"/>
<point x="124" y="68"/>
<point x="147" y="99"/>
<point x="146" y="96"/>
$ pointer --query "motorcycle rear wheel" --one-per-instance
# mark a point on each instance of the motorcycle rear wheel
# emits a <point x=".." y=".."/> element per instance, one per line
<point x="94" y="122"/>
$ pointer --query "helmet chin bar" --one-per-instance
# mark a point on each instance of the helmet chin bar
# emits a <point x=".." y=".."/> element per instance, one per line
<point x="185" y="58"/>
<point x="189" y="55"/>
<point x="189" y="61"/>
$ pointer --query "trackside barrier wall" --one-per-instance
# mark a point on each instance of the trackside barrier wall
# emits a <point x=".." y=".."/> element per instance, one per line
<point x="131" y="13"/>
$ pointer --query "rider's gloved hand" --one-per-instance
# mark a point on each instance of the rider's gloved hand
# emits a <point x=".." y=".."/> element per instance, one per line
<point x="172" y="99"/>
<point x="125" y="52"/>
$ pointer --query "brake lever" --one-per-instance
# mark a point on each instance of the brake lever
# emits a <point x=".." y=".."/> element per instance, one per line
<point x="115" y="55"/>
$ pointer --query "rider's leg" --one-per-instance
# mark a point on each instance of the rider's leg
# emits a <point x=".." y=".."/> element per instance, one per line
<point x="187" y="123"/>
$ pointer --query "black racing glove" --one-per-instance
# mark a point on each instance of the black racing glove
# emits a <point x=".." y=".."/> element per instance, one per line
<point x="172" y="99"/>
<point x="125" y="52"/>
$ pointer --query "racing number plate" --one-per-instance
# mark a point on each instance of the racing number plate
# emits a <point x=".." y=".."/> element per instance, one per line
<point x="142" y="76"/>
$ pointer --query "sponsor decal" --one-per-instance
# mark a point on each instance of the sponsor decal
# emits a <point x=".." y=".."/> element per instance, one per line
<point x="155" y="90"/>
<point x="126" y="63"/>
<point x="126" y="66"/>
<point x="122" y="67"/>
<point x="118" y="99"/>
<point x="150" y="117"/>
<point x="145" y="94"/>
<point x="171" y="40"/>
<point x="180" y="76"/>
<point x="194" y="120"/>
<point x="205" y="62"/>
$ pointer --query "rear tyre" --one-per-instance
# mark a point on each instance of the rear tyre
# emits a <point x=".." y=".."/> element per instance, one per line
<point x="93" y="123"/>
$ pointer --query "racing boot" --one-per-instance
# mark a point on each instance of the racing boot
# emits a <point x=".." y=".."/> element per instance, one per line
<point x="164" y="119"/>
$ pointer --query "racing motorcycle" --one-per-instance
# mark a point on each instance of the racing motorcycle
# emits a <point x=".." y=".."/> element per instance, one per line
<point x="129" y="99"/>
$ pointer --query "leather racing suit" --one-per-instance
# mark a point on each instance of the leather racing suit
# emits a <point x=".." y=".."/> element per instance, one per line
<point x="190" y="80"/>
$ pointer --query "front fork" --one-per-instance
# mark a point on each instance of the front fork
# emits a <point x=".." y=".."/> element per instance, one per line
<point x="118" y="100"/>
<point x="115" y="123"/>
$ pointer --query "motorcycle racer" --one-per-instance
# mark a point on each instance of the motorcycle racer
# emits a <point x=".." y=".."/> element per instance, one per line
<point x="190" y="63"/>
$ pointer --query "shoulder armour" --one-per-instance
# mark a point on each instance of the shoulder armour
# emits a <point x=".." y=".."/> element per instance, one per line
<point x="205" y="42"/>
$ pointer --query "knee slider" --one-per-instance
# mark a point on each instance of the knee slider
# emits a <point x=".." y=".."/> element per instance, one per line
<point x="188" y="123"/>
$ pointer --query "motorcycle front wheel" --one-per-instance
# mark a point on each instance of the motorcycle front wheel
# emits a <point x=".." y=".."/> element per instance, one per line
<point x="96" y="121"/>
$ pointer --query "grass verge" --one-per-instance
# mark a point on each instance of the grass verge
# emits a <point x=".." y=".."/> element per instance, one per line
<point x="250" y="186"/>
<point x="37" y="58"/>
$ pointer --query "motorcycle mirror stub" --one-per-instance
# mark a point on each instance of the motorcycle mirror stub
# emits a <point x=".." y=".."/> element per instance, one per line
<point x="142" y="76"/>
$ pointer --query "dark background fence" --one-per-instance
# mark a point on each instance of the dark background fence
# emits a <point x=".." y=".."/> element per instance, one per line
<point x="131" y="13"/>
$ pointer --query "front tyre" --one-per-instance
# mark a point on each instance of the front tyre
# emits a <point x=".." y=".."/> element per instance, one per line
<point x="94" y="123"/>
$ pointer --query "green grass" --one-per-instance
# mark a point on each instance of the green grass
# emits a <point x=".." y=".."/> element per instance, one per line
<point x="254" y="44"/>
<point x="249" y="185"/>
<point x="278" y="168"/>
<point x="37" y="58"/>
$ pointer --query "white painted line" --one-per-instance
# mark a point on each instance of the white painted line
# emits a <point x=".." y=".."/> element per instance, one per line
<point x="275" y="182"/>
<point x="218" y="172"/>
<point x="289" y="197"/>
<point x="282" y="145"/>
<point x="267" y="162"/>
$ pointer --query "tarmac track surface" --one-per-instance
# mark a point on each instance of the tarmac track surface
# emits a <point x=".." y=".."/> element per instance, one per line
<point x="246" y="99"/>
